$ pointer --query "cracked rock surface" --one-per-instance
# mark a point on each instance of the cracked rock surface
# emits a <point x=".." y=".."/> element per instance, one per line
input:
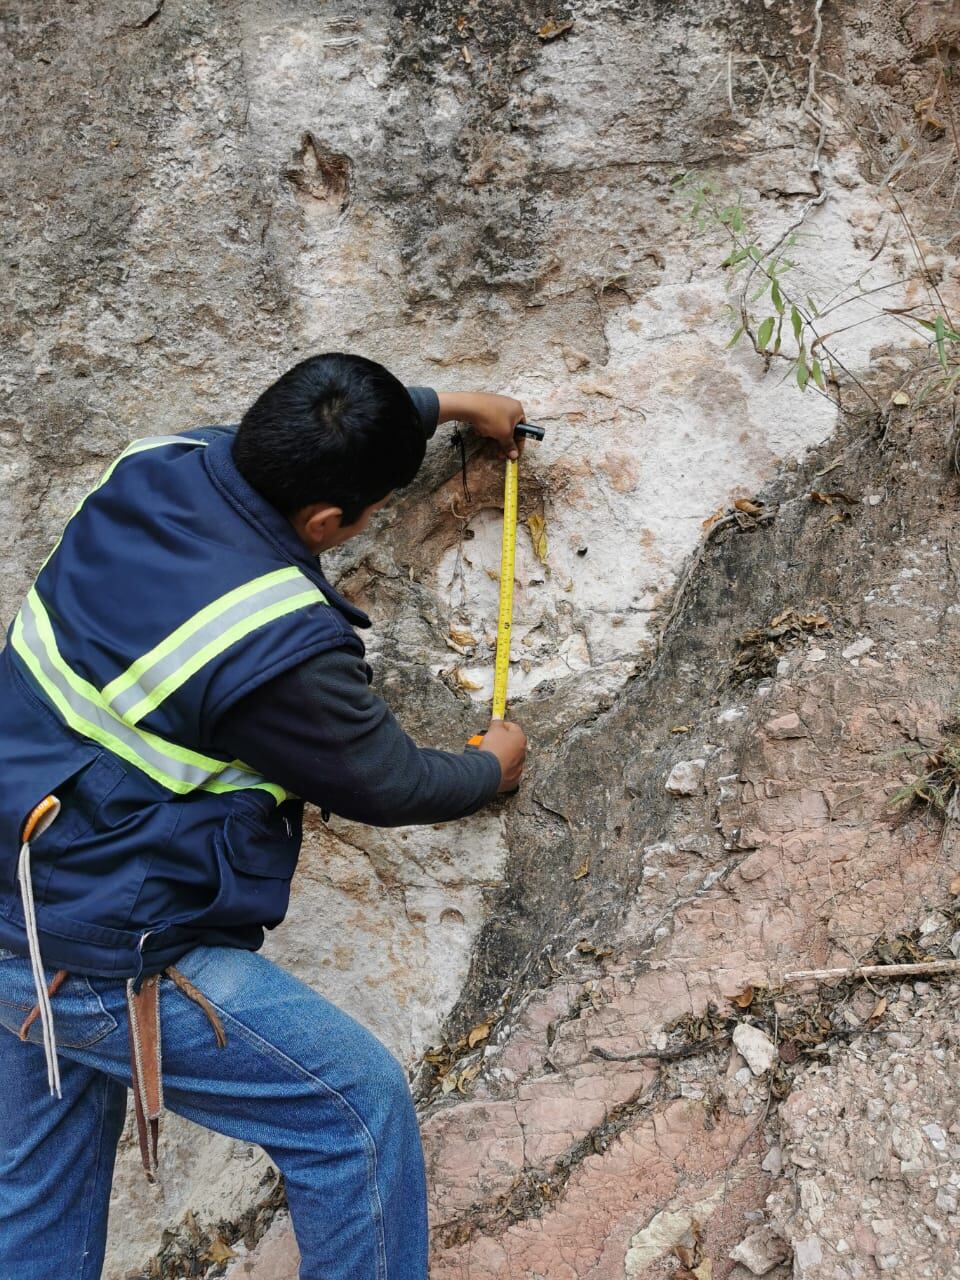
<point x="720" y="704"/>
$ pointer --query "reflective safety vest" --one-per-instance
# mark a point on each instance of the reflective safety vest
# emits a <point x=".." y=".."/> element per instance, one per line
<point x="174" y="591"/>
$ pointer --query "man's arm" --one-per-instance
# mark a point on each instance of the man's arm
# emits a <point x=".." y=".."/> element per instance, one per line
<point x="493" y="416"/>
<point x="320" y="731"/>
<point x="427" y="404"/>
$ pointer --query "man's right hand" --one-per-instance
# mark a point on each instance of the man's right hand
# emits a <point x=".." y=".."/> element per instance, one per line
<point x="508" y="743"/>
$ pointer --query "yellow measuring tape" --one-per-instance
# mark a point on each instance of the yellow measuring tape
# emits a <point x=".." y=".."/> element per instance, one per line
<point x="508" y="557"/>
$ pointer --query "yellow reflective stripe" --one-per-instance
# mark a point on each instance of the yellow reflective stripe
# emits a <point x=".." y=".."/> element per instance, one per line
<point x="80" y="706"/>
<point x="150" y="701"/>
<point x="192" y="637"/>
<point x="80" y="724"/>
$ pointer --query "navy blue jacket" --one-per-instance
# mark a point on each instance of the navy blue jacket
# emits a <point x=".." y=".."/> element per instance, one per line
<point x="175" y="595"/>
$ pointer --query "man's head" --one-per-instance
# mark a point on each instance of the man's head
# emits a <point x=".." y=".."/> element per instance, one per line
<point x="328" y="442"/>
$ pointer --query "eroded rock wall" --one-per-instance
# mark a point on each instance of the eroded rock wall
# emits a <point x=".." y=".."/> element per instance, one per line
<point x="200" y="194"/>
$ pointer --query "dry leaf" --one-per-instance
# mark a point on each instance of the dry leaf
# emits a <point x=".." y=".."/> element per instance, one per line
<point x="586" y="948"/>
<point x="582" y="870"/>
<point x="748" y="507"/>
<point x="538" y="535"/>
<point x="744" y="999"/>
<point x="681" y="728"/>
<point x="834" y="496"/>
<point x="705" y="1270"/>
<point x="467" y="1077"/>
<point x="685" y="1254"/>
<point x="789" y="1052"/>
<point x="478" y="1035"/>
<point x="551" y="29"/>
<point x="449" y="1084"/>
<point x="879" y="1009"/>
<point x="924" y="109"/>
<point x="901" y="397"/>
<point x="219" y="1250"/>
<point x="955" y="885"/>
<point x="465" y="53"/>
<point x="465" y="682"/>
<point x="710" y="521"/>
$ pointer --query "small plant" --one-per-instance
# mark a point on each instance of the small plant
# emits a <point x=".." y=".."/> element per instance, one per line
<point x="936" y="789"/>
<point x="786" y="322"/>
<point x="766" y="310"/>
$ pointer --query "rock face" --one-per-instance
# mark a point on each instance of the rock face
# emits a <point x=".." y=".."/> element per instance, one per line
<point x="197" y="196"/>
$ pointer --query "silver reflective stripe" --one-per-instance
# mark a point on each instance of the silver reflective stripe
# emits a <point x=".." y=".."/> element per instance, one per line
<point x="79" y="704"/>
<point x="204" y="637"/>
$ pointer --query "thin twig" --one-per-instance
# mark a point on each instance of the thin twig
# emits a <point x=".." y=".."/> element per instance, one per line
<point x="730" y="83"/>
<point x="915" y="246"/>
<point x="947" y="99"/>
<point x="874" y="971"/>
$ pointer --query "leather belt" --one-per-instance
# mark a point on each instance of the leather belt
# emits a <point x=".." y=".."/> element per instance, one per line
<point x="146" y="1057"/>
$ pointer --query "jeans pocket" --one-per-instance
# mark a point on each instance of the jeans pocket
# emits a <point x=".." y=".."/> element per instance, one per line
<point x="80" y="1017"/>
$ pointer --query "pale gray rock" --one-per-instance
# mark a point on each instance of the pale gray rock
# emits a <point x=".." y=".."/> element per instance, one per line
<point x="198" y="195"/>
<point x="686" y="777"/>
<point x="761" y="1250"/>
<point x="755" y="1046"/>
<point x="858" y="648"/>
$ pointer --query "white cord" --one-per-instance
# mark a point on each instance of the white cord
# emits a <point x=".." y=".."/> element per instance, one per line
<point x="36" y="961"/>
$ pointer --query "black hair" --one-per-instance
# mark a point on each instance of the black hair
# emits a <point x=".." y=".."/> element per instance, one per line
<point x="335" y="428"/>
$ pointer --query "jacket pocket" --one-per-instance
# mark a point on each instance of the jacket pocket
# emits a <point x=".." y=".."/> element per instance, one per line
<point x="80" y="1018"/>
<point x="265" y="846"/>
<point x="256" y="859"/>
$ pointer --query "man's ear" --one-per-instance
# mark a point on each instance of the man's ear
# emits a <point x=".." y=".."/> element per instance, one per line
<point x="318" y="525"/>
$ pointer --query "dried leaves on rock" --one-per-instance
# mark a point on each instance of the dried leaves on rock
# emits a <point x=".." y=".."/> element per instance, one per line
<point x="466" y="682"/>
<point x="190" y="1250"/>
<point x="551" y="29"/>
<point x="451" y="1071"/>
<point x="538" y="536"/>
<point x="761" y="648"/>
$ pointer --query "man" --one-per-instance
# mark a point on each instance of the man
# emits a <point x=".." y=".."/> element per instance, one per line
<point x="179" y="679"/>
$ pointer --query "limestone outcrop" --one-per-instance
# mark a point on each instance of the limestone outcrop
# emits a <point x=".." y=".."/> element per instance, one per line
<point x="736" y="619"/>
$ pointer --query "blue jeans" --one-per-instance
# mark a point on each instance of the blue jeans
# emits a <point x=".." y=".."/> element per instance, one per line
<point x="325" y="1100"/>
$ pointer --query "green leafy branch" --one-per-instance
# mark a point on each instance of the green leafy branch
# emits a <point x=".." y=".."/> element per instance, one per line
<point x="760" y="274"/>
<point x="780" y="324"/>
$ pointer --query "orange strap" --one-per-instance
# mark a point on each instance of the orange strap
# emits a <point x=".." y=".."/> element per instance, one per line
<point x="35" y="816"/>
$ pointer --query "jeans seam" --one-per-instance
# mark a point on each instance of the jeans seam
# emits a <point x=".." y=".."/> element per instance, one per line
<point x="271" y="1051"/>
<point x="105" y="1082"/>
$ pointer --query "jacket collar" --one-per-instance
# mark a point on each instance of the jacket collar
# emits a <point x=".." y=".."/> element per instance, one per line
<point x="269" y="522"/>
